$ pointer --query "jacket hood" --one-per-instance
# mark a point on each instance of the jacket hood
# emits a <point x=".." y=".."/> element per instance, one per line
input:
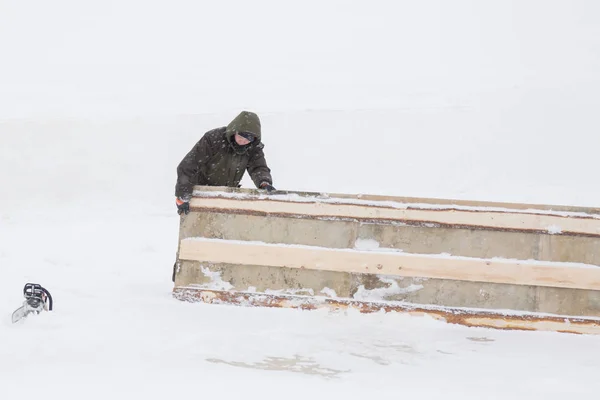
<point x="246" y="121"/>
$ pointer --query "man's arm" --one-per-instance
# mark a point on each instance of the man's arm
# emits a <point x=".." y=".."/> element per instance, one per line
<point x="258" y="169"/>
<point x="187" y="170"/>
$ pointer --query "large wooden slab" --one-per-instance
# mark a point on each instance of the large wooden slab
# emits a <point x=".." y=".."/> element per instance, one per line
<point x="521" y="221"/>
<point x="560" y="275"/>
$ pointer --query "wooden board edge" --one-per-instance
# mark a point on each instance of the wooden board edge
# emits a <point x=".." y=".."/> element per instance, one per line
<point x="474" y="318"/>
<point x="216" y="191"/>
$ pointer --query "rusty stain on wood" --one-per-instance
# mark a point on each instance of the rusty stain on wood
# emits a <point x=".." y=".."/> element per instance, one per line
<point x="486" y="319"/>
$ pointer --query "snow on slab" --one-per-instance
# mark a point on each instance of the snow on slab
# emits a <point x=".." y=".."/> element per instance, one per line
<point x="366" y="244"/>
<point x="381" y="294"/>
<point x="216" y="282"/>
<point x="329" y="292"/>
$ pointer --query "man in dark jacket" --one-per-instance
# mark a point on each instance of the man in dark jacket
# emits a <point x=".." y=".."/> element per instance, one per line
<point x="221" y="157"/>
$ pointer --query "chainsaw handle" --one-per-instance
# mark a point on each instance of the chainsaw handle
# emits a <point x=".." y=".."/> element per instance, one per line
<point x="50" y="302"/>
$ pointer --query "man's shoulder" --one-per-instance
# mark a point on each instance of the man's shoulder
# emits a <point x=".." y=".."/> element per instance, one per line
<point x="215" y="134"/>
<point x="215" y="138"/>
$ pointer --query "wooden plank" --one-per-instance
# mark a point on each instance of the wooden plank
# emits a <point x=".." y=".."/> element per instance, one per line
<point x="513" y="221"/>
<point x="466" y="317"/>
<point x="560" y="275"/>
<point x="213" y="191"/>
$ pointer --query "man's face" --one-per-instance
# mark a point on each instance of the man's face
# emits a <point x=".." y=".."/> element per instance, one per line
<point x="242" y="141"/>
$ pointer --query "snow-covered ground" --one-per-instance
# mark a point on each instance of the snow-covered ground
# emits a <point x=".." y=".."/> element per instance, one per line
<point x="99" y="101"/>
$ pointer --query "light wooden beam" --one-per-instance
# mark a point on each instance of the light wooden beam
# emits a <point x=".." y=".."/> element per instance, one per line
<point x="560" y="275"/>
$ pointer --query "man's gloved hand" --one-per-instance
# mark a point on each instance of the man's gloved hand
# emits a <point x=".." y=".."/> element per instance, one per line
<point x="183" y="206"/>
<point x="267" y="186"/>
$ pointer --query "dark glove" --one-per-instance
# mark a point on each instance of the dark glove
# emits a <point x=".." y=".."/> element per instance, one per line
<point x="267" y="186"/>
<point x="183" y="206"/>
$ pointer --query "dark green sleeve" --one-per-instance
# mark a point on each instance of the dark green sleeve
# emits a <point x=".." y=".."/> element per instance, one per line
<point x="187" y="170"/>
<point x="257" y="167"/>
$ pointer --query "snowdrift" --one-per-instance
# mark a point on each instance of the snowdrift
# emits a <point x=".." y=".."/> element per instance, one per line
<point x="501" y="265"/>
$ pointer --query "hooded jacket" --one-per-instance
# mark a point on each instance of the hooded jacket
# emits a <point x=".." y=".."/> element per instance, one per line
<point x="217" y="160"/>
